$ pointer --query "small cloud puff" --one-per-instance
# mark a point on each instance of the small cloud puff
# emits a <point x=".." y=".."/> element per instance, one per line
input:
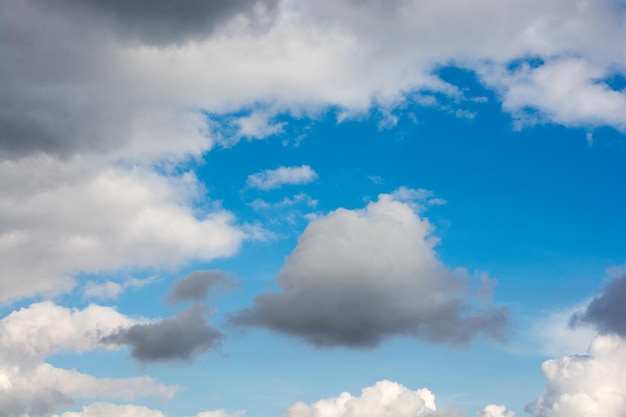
<point x="270" y="179"/>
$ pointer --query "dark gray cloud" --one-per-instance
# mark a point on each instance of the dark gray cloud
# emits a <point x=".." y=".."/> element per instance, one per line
<point x="607" y="311"/>
<point x="163" y="22"/>
<point x="177" y="338"/>
<point x="358" y="277"/>
<point x="196" y="286"/>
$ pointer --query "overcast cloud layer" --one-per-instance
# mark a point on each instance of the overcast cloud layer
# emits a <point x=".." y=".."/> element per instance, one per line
<point x="359" y="276"/>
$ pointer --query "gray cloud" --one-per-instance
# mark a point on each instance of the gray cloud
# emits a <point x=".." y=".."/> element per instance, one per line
<point x="196" y="286"/>
<point x="607" y="311"/>
<point x="162" y="22"/>
<point x="357" y="277"/>
<point x="178" y="338"/>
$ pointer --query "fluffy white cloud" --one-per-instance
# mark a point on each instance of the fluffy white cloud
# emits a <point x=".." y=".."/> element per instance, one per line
<point x="275" y="178"/>
<point x="384" y="399"/>
<point x="359" y="276"/>
<point x="495" y="411"/>
<point x="106" y="409"/>
<point x="101" y="409"/>
<point x="29" y="335"/>
<point x="586" y="385"/>
<point x="66" y="217"/>
<point x="566" y="91"/>
<point x="33" y="333"/>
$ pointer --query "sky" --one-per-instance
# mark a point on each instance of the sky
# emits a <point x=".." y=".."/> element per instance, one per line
<point x="312" y="208"/>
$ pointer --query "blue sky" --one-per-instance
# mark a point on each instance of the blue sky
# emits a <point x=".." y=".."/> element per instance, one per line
<point x="312" y="208"/>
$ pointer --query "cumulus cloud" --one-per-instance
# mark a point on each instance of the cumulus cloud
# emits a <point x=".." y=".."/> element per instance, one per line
<point x="384" y="399"/>
<point x="177" y="338"/>
<point x="71" y="216"/>
<point x="28" y="385"/>
<point x="196" y="286"/>
<point x="495" y="411"/>
<point x="275" y="178"/>
<point x="100" y="409"/>
<point x="586" y="385"/>
<point x="359" y="276"/>
<point x="607" y="311"/>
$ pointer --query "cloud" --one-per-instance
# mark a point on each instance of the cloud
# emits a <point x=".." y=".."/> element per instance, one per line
<point x="564" y="91"/>
<point x="179" y="338"/>
<point x="384" y="399"/>
<point x="586" y="385"/>
<point x="80" y="216"/>
<point x="557" y="337"/>
<point x="195" y="286"/>
<point x="161" y="23"/>
<point x="28" y="385"/>
<point x="274" y="178"/>
<point x="417" y="198"/>
<point x="112" y="290"/>
<point x="606" y="311"/>
<point x="100" y="409"/>
<point x="359" y="276"/>
<point x="495" y="411"/>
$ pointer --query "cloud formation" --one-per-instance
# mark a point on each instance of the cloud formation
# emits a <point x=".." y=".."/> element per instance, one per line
<point x="607" y="311"/>
<point x="161" y="23"/>
<point x="586" y="385"/>
<point x="178" y="338"/>
<point x="495" y="411"/>
<point x="196" y="286"/>
<point x="384" y="399"/>
<point x="82" y="216"/>
<point x="28" y="385"/>
<point x="270" y="179"/>
<point x="359" y="276"/>
<point x="100" y="409"/>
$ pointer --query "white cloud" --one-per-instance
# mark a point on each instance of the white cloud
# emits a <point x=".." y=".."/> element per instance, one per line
<point x="359" y="276"/>
<point x="495" y="411"/>
<point x="72" y="216"/>
<point x="557" y="338"/>
<point x="100" y="409"/>
<point x="105" y="290"/>
<point x="384" y="399"/>
<point x="565" y="91"/>
<point x="586" y="385"/>
<point x="29" y="335"/>
<point x="111" y="290"/>
<point x="275" y="178"/>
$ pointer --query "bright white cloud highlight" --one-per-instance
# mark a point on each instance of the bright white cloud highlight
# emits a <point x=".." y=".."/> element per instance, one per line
<point x="275" y="178"/>
<point x="28" y="385"/>
<point x="586" y="385"/>
<point x="106" y="409"/>
<point x="384" y="399"/>
<point x="81" y="216"/>
<point x="495" y="411"/>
